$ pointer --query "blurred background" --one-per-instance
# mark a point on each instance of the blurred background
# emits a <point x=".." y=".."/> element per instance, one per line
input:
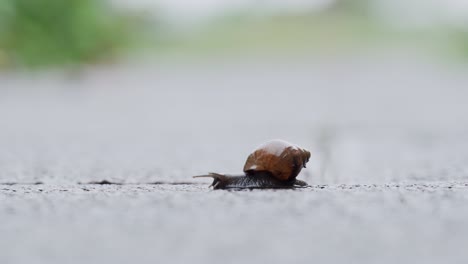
<point x="141" y="91"/>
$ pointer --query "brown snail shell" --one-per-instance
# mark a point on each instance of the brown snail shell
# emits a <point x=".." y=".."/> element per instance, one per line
<point x="274" y="164"/>
<point x="282" y="159"/>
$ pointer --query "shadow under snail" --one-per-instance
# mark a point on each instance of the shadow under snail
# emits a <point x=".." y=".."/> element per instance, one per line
<point x="274" y="164"/>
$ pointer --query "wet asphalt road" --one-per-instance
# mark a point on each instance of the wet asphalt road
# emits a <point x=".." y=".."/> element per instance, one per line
<point x="389" y="165"/>
<point x="189" y="223"/>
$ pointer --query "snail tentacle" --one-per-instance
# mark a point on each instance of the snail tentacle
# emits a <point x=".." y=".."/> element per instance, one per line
<point x="220" y="181"/>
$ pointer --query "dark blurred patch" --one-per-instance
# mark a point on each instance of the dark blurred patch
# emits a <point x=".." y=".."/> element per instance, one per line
<point x="21" y="183"/>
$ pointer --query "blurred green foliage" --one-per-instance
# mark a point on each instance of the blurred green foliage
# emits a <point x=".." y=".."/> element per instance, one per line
<point x="346" y="27"/>
<point x="38" y="33"/>
<point x="61" y="32"/>
<point x="327" y="32"/>
<point x="461" y="47"/>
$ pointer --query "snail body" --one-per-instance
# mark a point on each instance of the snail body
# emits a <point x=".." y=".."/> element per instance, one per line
<point x="274" y="164"/>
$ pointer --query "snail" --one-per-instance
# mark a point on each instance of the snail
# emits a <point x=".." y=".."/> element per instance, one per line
<point x="274" y="164"/>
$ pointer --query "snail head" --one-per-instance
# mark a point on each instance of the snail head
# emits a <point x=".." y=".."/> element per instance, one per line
<point x="219" y="180"/>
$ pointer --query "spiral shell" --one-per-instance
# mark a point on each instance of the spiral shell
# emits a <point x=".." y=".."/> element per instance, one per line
<point x="282" y="159"/>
